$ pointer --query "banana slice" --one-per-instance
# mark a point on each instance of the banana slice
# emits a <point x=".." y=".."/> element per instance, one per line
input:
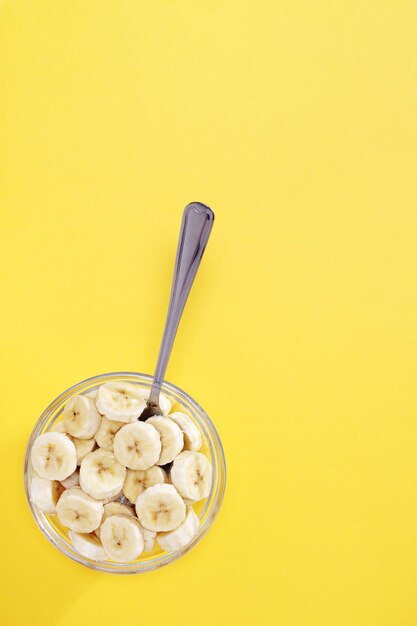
<point x="45" y="494"/>
<point x="115" y="508"/>
<point x="92" y="394"/>
<point x="120" y="401"/>
<point x="148" y="538"/>
<point x="88" y="546"/>
<point x="172" y="439"/>
<point x="181" y="536"/>
<point x="192" y="436"/>
<point x="137" y="481"/>
<point x="58" y="427"/>
<point x="121" y="538"/>
<point x="137" y="446"/>
<point x="72" y="481"/>
<point x="81" y="418"/>
<point x="79" y="512"/>
<point x="164" y="403"/>
<point x="160" y="508"/>
<point x="106" y="432"/>
<point x="114" y="498"/>
<point x="191" y="475"/>
<point x="189" y="502"/>
<point x="83" y="447"/>
<point x="54" y="456"/>
<point x="101" y="476"/>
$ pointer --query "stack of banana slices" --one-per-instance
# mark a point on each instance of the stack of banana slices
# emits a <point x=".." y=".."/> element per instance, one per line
<point x="104" y="474"/>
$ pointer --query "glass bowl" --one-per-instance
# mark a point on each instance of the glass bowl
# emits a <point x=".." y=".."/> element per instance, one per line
<point x="207" y="510"/>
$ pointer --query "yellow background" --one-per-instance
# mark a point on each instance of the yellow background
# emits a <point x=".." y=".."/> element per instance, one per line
<point x="296" y="122"/>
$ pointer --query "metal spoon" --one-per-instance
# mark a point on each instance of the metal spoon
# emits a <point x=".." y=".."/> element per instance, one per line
<point x="197" y="222"/>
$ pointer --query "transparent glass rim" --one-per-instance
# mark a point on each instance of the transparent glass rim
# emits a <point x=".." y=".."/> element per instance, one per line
<point x="207" y="515"/>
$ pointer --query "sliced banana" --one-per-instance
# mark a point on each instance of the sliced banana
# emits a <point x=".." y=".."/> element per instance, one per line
<point x="72" y="481"/>
<point x="58" y="427"/>
<point x="114" y="498"/>
<point x="137" y="446"/>
<point x="54" y="456"/>
<point x="81" y="418"/>
<point x="83" y="447"/>
<point x="45" y="494"/>
<point x="115" y="508"/>
<point x="101" y="476"/>
<point x="181" y="536"/>
<point x="160" y="508"/>
<point x="120" y="401"/>
<point x="92" y="394"/>
<point x="148" y="538"/>
<point x="189" y="502"/>
<point x="137" y="481"/>
<point x="106" y="432"/>
<point x="78" y="511"/>
<point x="121" y="538"/>
<point x="165" y="403"/>
<point x="191" y="475"/>
<point x="88" y="546"/>
<point x="192" y="436"/>
<point x="172" y="439"/>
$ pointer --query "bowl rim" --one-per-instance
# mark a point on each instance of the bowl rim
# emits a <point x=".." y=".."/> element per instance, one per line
<point x="208" y="514"/>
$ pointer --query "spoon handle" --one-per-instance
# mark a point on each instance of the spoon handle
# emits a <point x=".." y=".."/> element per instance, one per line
<point x="197" y="222"/>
